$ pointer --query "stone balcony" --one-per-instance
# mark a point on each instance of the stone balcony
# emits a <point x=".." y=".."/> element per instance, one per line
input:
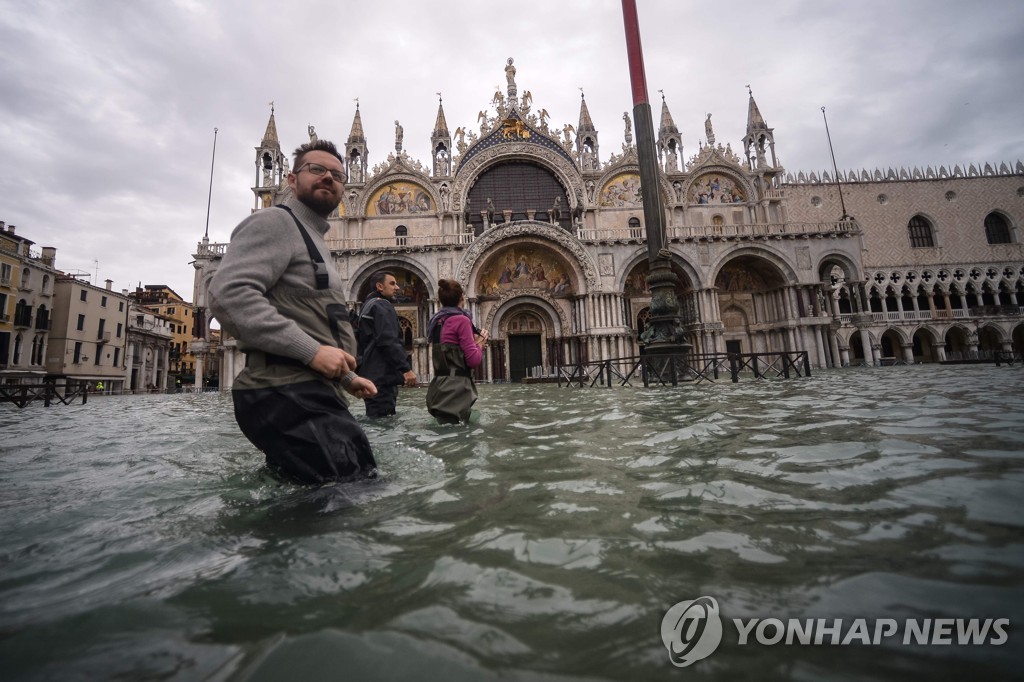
<point x="748" y="232"/>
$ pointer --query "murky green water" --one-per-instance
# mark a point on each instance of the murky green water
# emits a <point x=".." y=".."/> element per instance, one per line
<point x="142" y="539"/>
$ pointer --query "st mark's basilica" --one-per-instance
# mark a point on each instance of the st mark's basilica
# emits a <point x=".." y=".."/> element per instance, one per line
<point x="546" y="234"/>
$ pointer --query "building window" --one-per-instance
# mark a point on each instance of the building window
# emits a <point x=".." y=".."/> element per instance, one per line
<point x="120" y="307"/>
<point x="83" y="295"/>
<point x="118" y="332"/>
<point x="117" y="357"/>
<point x="103" y="301"/>
<point x="78" y="353"/>
<point x="99" y="332"/>
<point x="99" y="354"/>
<point x="170" y="311"/>
<point x="401" y="235"/>
<point x="46" y="284"/>
<point x="42" y="318"/>
<point x="997" y="230"/>
<point x="5" y="274"/>
<point x="26" y="279"/>
<point x="634" y="228"/>
<point x="920" y="232"/>
<point x="81" y="323"/>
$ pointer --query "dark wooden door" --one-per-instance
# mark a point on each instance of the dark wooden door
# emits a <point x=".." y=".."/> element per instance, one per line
<point x="523" y="353"/>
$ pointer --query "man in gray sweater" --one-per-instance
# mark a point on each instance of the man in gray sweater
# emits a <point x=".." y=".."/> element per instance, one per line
<point x="276" y="291"/>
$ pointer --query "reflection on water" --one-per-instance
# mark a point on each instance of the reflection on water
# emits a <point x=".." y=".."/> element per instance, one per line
<point x="142" y="539"/>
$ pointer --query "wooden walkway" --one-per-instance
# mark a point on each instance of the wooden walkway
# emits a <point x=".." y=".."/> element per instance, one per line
<point x="23" y="394"/>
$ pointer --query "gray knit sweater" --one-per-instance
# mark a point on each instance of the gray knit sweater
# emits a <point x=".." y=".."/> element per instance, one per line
<point x="267" y="251"/>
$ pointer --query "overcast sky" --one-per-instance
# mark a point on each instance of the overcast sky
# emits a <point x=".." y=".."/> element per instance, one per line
<point x="107" y="109"/>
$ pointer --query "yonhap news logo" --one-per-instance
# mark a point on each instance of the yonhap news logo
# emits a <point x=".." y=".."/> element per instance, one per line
<point x="692" y="630"/>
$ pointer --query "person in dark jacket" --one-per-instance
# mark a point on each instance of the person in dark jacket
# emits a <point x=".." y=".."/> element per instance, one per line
<point x="382" y="358"/>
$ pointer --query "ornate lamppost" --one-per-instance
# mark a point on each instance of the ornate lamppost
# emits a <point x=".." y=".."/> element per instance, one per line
<point x="664" y="334"/>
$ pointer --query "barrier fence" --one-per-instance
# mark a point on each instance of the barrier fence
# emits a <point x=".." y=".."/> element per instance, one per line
<point x="675" y="368"/>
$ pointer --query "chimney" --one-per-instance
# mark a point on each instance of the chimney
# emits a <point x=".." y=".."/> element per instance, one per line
<point x="10" y="229"/>
<point x="2" y="223"/>
<point x="49" y="255"/>
<point x="110" y="283"/>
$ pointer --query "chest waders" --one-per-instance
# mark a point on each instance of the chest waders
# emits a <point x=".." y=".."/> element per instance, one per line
<point x="452" y="391"/>
<point x="296" y="416"/>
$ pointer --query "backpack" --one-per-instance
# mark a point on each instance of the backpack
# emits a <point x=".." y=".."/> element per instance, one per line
<point x="356" y="319"/>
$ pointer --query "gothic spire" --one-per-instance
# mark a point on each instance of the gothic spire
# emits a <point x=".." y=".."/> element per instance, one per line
<point x="440" y="125"/>
<point x="760" y="139"/>
<point x="356" y="136"/>
<point x="755" y="121"/>
<point x="586" y="124"/>
<point x="270" y="137"/>
<point x="670" y="143"/>
<point x="668" y="126"/>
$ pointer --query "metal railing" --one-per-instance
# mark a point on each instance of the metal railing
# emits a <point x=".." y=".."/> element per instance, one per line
<point x="673" y="369"/>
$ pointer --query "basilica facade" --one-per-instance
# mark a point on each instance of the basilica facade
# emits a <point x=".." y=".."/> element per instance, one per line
<point x="547" y="237"/>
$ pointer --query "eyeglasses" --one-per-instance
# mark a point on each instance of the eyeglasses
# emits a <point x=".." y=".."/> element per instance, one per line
<point x="317" y="169"/>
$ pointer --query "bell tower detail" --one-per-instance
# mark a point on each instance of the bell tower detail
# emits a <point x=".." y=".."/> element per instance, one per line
<point x="670" y="144"/>
<point x="586" y="140"/>
<point x="355" y="151"/>
<point x="441" y="144"/>
<point x="271" y="166"/>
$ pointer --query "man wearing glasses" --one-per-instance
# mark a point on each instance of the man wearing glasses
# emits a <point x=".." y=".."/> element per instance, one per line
<point x="276" y="291"/>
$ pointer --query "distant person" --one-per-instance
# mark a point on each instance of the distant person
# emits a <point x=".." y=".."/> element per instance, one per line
<point x="382" y="357"/>
<point x="277" y="292"/>
<point x="457" y="349"/>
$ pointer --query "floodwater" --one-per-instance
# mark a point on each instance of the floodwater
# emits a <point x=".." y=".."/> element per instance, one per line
<point x="143" y="540"/>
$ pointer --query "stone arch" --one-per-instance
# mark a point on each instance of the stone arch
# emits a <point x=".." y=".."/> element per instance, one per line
<point x="826" y="263"/>
<point x="787" y="272"/>
<point x="360" y="279"/>
<point x="389" y="191"/>
<point x="564" y="172"/>
<point x="632" y="282"/>
<point x="476" y="255"/>
<point x="678" y="260"/>
<point x="957" y="338"/>
<point x="992" y="333"/>
<point x="704" y="179"/>
<point x="925" y="342"/>
<point x="1017" y="339"/>
<point x="522" y="266"/>
<point x="542" y="301"/>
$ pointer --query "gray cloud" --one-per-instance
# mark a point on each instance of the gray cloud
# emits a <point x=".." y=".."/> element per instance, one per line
<point x="107" y="110"/>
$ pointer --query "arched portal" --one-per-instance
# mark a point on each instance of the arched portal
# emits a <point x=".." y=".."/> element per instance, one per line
<point x="1018" y="341"/>
<point x="411" y="303"/>
<point x="956" y="343"/>
<point x="525" y="297"/>
<point x="637" y="298"/>
<point x="925" y="346"/>
<point x="526" y="338"/>
<point x="753" y="305"/>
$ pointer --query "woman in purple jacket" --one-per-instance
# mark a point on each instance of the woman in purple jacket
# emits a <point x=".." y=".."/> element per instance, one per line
<point x="456" y="351"/>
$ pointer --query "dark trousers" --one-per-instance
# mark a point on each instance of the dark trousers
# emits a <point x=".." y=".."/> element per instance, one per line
<point x="382" y="404"/>
<point x="306" y="432"/>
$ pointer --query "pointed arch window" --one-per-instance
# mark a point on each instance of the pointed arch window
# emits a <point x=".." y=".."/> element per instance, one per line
<point x="997" y="230"/>
<point x="921" y="233"/>
<point x="401" y="235"/>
